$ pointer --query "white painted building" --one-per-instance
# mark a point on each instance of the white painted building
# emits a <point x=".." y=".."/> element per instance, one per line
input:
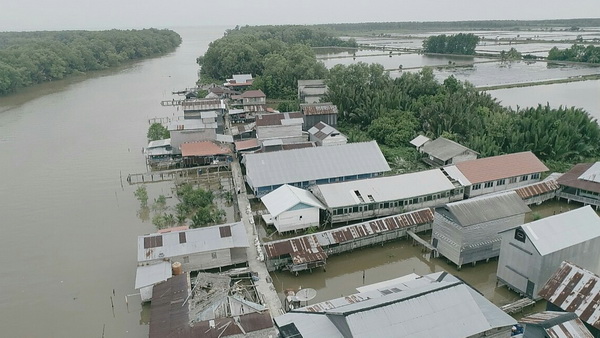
<point x="148" y="275"/>
<point x="530" y="253"/>
<point x="325" y="135"/>
<point x="292" y="208"/>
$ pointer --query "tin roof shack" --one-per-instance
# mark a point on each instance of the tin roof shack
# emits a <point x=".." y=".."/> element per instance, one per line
<point x="325" y="135"/>
<point x="286" y="127"/>
<point x="239" y="81"/>
<point x="539" y="192"/>
<point x="296" y="254"/>
<point x="582" y="184"/>
<point x="149" y="275"/>
<point x="442" y="151"/>
<point x="185" y="131"/>
<point x="308" y="166"/>
<point x="292" y="209"/>
<point x="574" y="289"/>
<point x="467" y="231"/>
<point x="311" y="91"/>
<point x="530" y="253"/>
<point x="499" y="173"/>
<point x="192" y="108"/>
<point x="388" y="195"/>
<point x="435" y="305"/>
<point x="204" y="153"/>
<point x="319" y="112"/>
<point x="554" y="324"/>
<point x="196" y="249"/>
<point x="159" y="151"/>
<point x="419" y="141"/>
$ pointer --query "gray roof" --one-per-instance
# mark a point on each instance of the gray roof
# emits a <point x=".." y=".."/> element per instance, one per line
<point x="558" y="324"/>
<point x="322" y="130"/>
<point x="198" y="240"/>
<point x="441" y="307"/>
<point x="159" y="143"/>
<point x="286" y="197"/>
<point x="308" y="164"/>
<point x="561" y="231"/>
<point x="419" y="140"/>
<point x="190" y="124"/>
<point x="444" y="149"/>
<point x="151" y="274"/>
<point x="486" y="208"/>
<point x="381" y="189"/>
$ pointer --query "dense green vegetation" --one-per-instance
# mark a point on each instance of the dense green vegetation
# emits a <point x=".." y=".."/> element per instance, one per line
<point x="197" y="204"/>
<point x="463" y="44"/>
<point x="28" y="58"/>
<point x="278" y="56"/>
<point x="372" y="105"/>
<point x="157" y="131"/>
<point x="577" y="53"/>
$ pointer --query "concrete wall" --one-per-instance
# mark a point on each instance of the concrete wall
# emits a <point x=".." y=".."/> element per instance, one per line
<point x="466" y="156"/>
<point x="297" y="219"/>
<point x="463" y="245"/>
<point x="471" y="192"/>
<point x="182" y="136"/>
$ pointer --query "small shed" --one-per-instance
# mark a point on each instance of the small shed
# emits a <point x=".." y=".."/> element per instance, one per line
<point x="319" y="112"/>
<point x="419" y="141"/>
<point x="575" y="289"/>
<point x="292" y="209"/>
<point x="311" y="91"/>
<point x="581" y="184"/>
<point x="443" y="151"/>
<point x="467" y="231"/>
<point x="531" y="253"/>
<point x="325" y="135"/>
<point x="554" y="324"/>
<point x="159" y="151"/>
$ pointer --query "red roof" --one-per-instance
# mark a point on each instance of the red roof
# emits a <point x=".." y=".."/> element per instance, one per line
<point x="503" y="166"/>
<point x="246" y="144"/>
<point x="253" y="93"/>
<point x="204" y="148"/>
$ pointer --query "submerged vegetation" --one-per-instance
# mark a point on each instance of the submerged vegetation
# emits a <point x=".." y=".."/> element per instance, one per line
<point x="577" y="53"/>
<point x="28" y="58"/>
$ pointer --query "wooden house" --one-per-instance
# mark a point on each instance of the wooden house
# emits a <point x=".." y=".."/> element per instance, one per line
<point x="581" y="184"/>
<point x="500" y="173"/>
<point x="531" y="253"/>
<point x="442" y="151"/>
<point x="292" y="209"/>
<point x="319" y="112"/>
<point x="467" y="231"/>
<point x="204" y="153"/>
<point x="575" y="290"/>
<point x="193" y="130"/>
<point x="254" y="101"/>
<point x="325" y="135"/>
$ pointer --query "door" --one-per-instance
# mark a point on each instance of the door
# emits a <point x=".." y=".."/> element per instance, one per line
<point x="530" y="287"/>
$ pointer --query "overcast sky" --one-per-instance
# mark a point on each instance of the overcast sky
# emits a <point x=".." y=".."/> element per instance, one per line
<point x="18" y="15"/>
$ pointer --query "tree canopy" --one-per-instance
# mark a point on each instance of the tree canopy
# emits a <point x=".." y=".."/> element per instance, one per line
<point x="28" y="58"/>
<point x="157" y="131"/>
<point x="463" y="44"/>
<point x="577" y="53"/>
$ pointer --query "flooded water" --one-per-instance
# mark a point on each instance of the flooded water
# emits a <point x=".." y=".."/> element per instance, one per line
<point x="69" y="227"/>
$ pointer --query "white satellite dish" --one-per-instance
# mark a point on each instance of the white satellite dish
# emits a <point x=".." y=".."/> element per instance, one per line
<point x="304" y="295"/>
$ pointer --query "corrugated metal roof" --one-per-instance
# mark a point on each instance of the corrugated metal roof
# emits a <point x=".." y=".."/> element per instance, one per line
<point x="444" y="149"/>
<point x="419" y="140"/>
<point x="561" y="231"/>
<point x="202" y="148"/>
<point x="503" y="166"/>
<point x="204" y="239"/>
<point x="486" y="208"/>
<point x="302" y="249"/>
<point x="252" y="108"/>
<point x="203" y="104"/>
<point x="308" y="164"/>
<point x="575" y="289"/>
<point x="571" y="178"/>
<point x="322" y="130"/>
<point x="352" y="232"/>
<point x="241" y="78"/>
<point x="286" y="197"/>
<point x="456" y="174"/>
<point x="211" y="114"/>
<point x="167" y="311"/>
<point x="536" y="189"/>
<point x="246" y="144"/>
<point x="191" y="124"/>
<point x="433" y="309"/>
<point x="278" y="119"/>
<point x="326" y="108"/>
<point x="151" y="274"/>
<point x="243" y="325"/>
<point x="253" y="94"/>
<point x="558" y="324"/>
<point x="159" y="143"/>
<point x="381" y="189"/>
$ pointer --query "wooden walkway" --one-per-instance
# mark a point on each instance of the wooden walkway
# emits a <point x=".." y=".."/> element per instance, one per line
<point x="421" y="241"/>
<point x="174" y="174"/>
<point x="167" y="103"/>
<point x="517" y="306"/>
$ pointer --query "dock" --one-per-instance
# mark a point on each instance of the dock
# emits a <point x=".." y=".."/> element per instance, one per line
<point x="517" y="306"/>
<point x="422" y="242"/>
<point x="171" y="103"/>
<point x="185" y="174"/>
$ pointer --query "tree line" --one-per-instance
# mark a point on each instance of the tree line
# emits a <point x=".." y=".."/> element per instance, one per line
<point x="28" y="58"/>
<point x="278" y="56"/>
<point x="576" y="53"/>
<point x="462" y="44"/>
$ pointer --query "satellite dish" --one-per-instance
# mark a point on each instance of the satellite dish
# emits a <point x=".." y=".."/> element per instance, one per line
<point x="304" y="295"/>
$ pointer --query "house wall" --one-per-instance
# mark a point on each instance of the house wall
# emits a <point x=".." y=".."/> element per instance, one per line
<point x="466" y="156"/>
<point x="204" y="260"/>
<point x="311" y="120"/>
<point x="463" y="245"/>
<point x="255" y="100"/>
<point x="182" y="136"/>
<point x="288" y="134"/>
<point x="473" y="190"/>
<point x="297" y="219"/>
<point x="333" y="140"/>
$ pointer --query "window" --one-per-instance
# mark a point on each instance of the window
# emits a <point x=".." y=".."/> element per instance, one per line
<point x="186" y="259"/>
<point x="355" y="209"/>
<point x="501" y="182"/>
<point x="153" y="242"/>
<point x="428" y="198"/>
<point x="386" y="205"/>
<point x="535" y="176"/>
<point x="340" y="211"/>
<point x="477" y="186"/>
<point x="488" y="184"/>
<point x="182" y="238"/>
<point x="524" y="178"/>
<point x="214" y="255"/>
<point x="415" y="201"/>
<point x="300" y="217"/>
<point x="520" y="235"/>
<point x="370" y="206"/>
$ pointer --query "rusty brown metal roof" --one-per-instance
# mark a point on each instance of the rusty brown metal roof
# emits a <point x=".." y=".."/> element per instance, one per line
<point x="503" y="166"/>
<point x="575" y="289"/>
<point x="537" y="189"/>
<point x="263" y="120"/>
<point x="255" y="107"/>
<point x="318" y="109"/>
<point x="571" y="178"/>
<point x="167" y="315"/>
<point x="225" y="327"/>
<point x="253" y="93"/>
<point x="558" y="324"/>
<point x="301" y="249"/>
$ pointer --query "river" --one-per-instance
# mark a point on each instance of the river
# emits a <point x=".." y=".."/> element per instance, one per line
<point x="69" y="229"/>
